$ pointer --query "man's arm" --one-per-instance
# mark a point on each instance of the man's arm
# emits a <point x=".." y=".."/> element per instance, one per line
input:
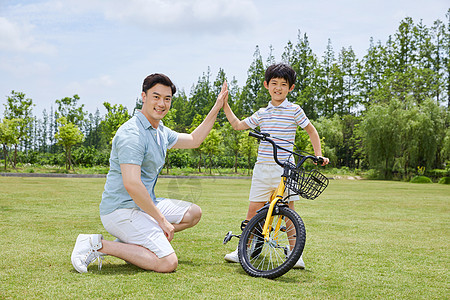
<point x="315" y="141"/>
<point x="194" y="139"/>
<point x="131" y="176"/>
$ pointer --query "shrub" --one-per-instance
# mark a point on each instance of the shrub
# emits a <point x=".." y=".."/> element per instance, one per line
<point x="444" y="180"/>
<point x="421" y="179"/>
<point x="438" y="173"/>
<point x="374" y="174"/>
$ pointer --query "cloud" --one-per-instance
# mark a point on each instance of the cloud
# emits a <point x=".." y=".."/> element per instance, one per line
<point x="180" y="15"/>
<point x="22" y="68"/>
<point x="97" y="83"/>
<point x="20" y="38"/>
<point x="102" y="81"/>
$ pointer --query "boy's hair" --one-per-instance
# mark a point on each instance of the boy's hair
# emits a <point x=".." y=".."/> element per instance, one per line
<point x="281" y="71"/>
<point x="153" y="79"/>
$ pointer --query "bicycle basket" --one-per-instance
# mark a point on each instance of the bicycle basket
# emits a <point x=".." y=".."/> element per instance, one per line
<point x="308" y="184"/>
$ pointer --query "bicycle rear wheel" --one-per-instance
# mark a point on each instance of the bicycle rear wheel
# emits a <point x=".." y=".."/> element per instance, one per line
<point x="273" y="257"/>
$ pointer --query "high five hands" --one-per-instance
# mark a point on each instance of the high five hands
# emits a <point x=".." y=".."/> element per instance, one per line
<point x="222" y="98"/>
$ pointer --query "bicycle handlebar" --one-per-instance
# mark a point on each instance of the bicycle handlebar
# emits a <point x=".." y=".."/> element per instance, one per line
<point x="265" y="137"/>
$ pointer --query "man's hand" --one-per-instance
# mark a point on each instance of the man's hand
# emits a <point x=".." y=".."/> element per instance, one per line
<point x="168" y="229"/>
<point x="222" y="98"/>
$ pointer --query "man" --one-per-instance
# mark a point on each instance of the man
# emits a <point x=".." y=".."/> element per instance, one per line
<point x="143" y="224"/>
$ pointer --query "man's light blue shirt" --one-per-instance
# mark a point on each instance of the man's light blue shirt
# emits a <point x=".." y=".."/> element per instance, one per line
<point x="136" y="142"/>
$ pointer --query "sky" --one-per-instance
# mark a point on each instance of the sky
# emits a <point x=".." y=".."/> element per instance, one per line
<point x="102" y="50"/>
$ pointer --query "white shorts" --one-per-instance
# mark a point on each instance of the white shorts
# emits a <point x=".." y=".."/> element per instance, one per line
<point x="134" y="226"/>
<point x="265" y="180"/>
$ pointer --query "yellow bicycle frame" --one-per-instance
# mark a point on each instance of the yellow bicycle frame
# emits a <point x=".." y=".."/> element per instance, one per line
<point x="277" y="195"/>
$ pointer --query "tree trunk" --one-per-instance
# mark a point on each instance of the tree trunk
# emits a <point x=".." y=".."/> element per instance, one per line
<point x="199" y="163"/>
<point x="15" y="156"/>
<point x="5" y="153"/>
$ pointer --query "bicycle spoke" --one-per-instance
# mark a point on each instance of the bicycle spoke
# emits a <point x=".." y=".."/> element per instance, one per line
<point x="273" y="255"/>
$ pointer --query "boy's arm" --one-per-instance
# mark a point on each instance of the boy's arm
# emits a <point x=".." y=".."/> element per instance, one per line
<point x="234" y="121"/>
<point x="315" y="141"/>
<point x="194" y="139"/>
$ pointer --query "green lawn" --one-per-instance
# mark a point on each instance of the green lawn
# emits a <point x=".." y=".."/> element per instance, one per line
<point x="365" y="239"/>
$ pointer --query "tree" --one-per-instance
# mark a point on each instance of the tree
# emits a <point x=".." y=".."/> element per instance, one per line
<point x="43" y="138"/>
<point x="202" y="98"/>
<point x="440" y="56"/>
<point x="211" y="146"/>
<point x="195" y="123"/>
<point x="348" y="64"/>
<point x="248" y="148"/>
<point x="252" y="96"/>
<point x="425" y="124"/>
<point x="446" y="58"/>
<point x="20" y="108"/>
<point x="380" y="131"/>
<point x="331" y="130"/>
<point x="115" y="116"/>
<point x="68" y="135"/>
<point x="233" y="142"/>
<point x="93" y="131"/>
<point x="330" y="83"/>
<point x="169" y="122"/>
<point x="68" y="108"/>
<point x="370" y="72"/>
<point x="180" y="104"/>
<point x="304" y="62"/>
<point x="8" y="136"/>
<point x="215" y="91"/>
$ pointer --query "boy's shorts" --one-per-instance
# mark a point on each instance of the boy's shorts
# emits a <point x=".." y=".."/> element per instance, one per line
<point x="134" y="226"/>
<point x="265" y="180"/>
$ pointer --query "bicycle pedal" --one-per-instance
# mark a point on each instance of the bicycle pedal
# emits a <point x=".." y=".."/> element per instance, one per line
<point x="228" y="237"/>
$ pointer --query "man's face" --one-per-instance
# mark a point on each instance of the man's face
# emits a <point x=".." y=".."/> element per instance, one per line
<point x="156" y="103"/>
<point x="278" y="89"/>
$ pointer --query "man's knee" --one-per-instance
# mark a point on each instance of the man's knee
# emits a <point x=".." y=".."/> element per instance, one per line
<point x="195" y="214"/>
<point x="167" y="264"/>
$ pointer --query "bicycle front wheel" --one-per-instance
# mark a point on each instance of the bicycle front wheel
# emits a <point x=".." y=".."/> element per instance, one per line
<point x="276" y="255"/>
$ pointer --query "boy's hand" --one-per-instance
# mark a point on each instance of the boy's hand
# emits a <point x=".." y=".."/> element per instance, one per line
<point x="325" y="160"/>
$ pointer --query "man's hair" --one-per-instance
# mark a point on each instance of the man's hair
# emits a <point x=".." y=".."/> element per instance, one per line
<point x="153" y="79"/>
<point x="281" y="71"/>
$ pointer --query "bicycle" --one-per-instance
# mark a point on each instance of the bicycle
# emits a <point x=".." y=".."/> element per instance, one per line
<point x="273" y="240"/>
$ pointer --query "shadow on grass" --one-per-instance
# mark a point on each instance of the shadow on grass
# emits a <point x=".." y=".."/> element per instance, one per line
<point x="126" y="269"/>
<point x="114" y="269"/>
<point x="292" y="276"/>
<point x="189" y="263"/>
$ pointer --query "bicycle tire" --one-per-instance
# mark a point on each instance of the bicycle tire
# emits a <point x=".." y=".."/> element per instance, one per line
<point x="275" y="257"/>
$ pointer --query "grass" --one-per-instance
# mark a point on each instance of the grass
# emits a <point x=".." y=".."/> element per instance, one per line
<point x="187" y="171"/>
<point x="365" y="239"/>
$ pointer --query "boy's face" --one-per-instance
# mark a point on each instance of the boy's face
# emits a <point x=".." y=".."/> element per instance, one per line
<point x="156" y="103"/>
<point x="278" y="89"/>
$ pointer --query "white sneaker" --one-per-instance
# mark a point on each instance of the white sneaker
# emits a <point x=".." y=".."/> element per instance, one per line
<point x="232" y="257"/>
<point x="299" y="264"/>
<point x="85" y="251"/>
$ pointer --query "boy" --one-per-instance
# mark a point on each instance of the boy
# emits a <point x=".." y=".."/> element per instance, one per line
<point x="280" y="119"/>
<point x="143" y="224"/>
